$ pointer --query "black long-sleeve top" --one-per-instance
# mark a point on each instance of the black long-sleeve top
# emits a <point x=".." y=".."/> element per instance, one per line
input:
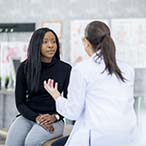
<point x="29" y="104"/>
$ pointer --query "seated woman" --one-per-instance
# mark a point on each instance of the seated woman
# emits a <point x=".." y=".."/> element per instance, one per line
<point x="38" y="121"/>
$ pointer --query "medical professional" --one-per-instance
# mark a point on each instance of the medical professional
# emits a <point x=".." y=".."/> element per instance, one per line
<point x="100" y="94"/>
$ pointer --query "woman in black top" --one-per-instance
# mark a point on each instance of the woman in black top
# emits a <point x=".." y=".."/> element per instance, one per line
<point x="38" y="120"/>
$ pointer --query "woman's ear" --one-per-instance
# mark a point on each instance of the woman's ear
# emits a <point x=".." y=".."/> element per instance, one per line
<point x="88" y="47"/>
<point x="86" y="43"/>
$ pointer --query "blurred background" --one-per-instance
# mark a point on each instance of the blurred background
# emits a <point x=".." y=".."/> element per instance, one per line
<point x="68" y="18"/>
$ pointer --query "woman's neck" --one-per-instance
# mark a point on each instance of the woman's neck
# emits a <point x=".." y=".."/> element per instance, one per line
<point x="46" y="60"/>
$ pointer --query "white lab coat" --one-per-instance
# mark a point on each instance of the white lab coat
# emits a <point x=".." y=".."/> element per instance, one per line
<point x="101" y="104"/>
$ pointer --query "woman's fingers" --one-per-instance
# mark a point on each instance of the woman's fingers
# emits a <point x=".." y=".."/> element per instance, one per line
<point x="56" y="86"/>
<point x="52" y="88"/>
<point x="47" y="85"/>
<point x="49" y="128"/>
<point x="50" y="84"/>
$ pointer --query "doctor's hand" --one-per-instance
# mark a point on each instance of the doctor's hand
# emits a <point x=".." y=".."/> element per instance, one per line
<point x="52" y="88"/>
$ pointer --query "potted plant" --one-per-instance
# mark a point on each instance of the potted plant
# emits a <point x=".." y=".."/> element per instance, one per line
<point x="7" y="80"/>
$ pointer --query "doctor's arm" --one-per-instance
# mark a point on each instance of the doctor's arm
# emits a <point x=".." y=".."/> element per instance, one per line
<point x="72" y="107"/>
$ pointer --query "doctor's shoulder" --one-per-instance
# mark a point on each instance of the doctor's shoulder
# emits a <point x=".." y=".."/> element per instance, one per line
<point x="82" y="67"/>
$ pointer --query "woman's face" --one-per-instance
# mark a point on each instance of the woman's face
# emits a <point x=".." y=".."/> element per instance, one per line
<point x="49" y="47"/>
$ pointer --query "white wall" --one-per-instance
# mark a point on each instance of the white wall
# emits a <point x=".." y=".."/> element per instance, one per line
<point x="39" y="11"/>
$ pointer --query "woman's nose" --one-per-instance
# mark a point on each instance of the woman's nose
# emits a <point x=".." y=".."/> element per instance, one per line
<point x="50" y="44"/>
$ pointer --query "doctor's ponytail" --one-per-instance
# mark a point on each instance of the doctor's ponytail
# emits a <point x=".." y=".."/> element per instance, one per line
<point x="98" y="34"/>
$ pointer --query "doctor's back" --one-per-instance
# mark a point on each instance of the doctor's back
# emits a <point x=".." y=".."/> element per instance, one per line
<point x="103" y="88"/>
<point x="100" y="94"/>
<point x="108" y="100"/>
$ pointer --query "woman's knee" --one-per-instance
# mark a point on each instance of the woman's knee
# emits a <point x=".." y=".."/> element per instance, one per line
<point x="18" y="131"/>
<point x="30" y="142"/>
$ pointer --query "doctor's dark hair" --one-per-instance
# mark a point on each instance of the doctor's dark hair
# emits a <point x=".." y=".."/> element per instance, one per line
<point x="33" y="62"/>
<point x="98" y="34"/>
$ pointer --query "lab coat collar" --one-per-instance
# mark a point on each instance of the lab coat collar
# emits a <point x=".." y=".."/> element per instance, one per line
<point x="96" y="57"/>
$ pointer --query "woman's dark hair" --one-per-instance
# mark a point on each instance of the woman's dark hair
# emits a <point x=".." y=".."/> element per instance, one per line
<point x="98" y="34"/>
<point x="33" y="62"/>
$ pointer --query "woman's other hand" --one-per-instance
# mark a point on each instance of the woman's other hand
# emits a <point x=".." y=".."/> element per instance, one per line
<point x="46" y="121"/>
<point x="52" y="88"/>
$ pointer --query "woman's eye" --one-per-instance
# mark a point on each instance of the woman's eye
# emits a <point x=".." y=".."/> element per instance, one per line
<point x="54" y="42"/>
<point x="45" y="42"/>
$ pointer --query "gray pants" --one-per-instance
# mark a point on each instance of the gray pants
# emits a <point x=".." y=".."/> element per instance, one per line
<point x="24" y="132"/>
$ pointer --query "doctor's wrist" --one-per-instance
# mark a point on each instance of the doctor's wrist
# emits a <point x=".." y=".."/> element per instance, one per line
<point x="57" y="96"/>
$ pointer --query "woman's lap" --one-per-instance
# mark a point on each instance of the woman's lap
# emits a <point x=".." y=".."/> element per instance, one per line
<point x="23" y="131"/>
